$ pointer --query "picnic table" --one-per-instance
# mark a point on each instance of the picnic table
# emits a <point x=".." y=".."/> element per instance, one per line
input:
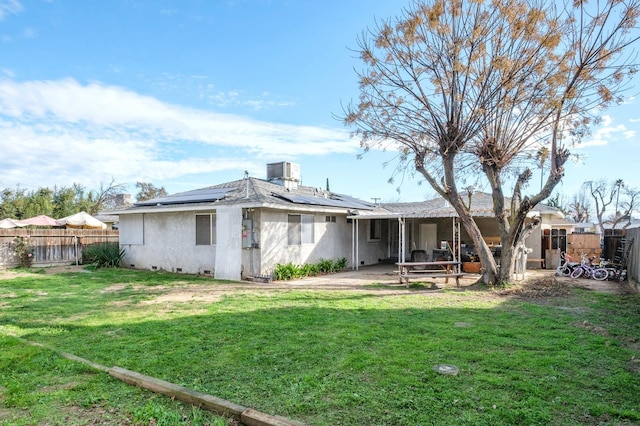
<point x="438" y="269"/>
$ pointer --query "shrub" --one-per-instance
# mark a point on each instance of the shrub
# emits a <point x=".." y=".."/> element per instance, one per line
<point x="24" y="250"/>
<point x="290" y="271"/>
<point x="285" y="272"/>
<point x="103" y="255"/>
<point x="326" y="265"/>
<point x="342" y="264"/>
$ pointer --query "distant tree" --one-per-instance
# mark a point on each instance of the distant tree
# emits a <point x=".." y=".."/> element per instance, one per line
<point x="476" y="87"/>
<point x="557" y="202"/>
<point x="12" y="203"/>
<point x="39" y="202"/>
<point x="64" y="202"/>
<point x="106" y="196"/>
<point x="147" y="191"/>
<point x="619" y="184"/>
<point x="580" y="208"/>
<point x="604" y="194"/>
<point x="629" y="203"/>
<point x="57" y="202"/>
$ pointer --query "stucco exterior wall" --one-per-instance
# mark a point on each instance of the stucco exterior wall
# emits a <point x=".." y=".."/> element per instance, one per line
<point x="370" y="251"/>
<point x="228" y="243"/>
<point x="332" y="240"/>
<point x="168" y="244"/>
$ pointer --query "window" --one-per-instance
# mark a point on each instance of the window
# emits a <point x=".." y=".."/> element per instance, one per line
<point x="132" y="229"/>
<point x="559" y="239"/>
<point x="330" y="219"/>
<point x="375" y="229"/>
<point x="300" y="229"/>
<point x="205" y="229"/>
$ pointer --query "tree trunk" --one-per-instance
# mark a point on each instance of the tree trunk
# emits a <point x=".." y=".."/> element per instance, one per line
<point x="489" y="268"/>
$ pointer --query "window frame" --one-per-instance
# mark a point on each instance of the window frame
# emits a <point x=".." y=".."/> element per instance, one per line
<point x="300" y="231"/>
<point x="374" y="233"/>
<point x="211" y="224"/>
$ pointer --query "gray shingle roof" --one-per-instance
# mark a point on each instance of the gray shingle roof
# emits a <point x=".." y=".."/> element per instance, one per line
<point x="252" y="191"/>
<point x="481" y="206"/>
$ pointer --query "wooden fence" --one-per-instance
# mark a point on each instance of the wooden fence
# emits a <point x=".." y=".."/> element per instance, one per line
<point x="633" y="263"/>
<point x="52" y="246"/>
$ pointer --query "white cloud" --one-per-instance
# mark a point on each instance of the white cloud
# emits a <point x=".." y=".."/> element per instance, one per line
<point x="9" y="7"/>
<point x="606" y="133"/>
<point x="59" y="132"/>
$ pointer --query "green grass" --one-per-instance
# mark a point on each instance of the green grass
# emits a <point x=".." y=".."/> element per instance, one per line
<point x="324" y="358"/>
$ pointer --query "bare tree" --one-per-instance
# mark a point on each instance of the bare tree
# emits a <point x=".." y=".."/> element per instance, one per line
<point x="462" y="86"/>
<point x="628" y="205"/>
<point x="105" y="196"/>
<point x="604" y="194"/>
<point x="580" y="207"/>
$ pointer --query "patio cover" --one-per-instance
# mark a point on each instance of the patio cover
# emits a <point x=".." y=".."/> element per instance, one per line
<point x="82" y="220"/>
<point x="10" y="223"/>
<point x="41" y="220"/>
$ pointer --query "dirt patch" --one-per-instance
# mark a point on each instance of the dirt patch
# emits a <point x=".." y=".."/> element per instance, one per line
<point x="6" y="274"/>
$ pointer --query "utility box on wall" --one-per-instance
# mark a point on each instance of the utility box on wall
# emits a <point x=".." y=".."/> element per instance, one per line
<point x="247" y="234"/>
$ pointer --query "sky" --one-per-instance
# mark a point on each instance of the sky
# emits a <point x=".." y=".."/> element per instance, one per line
<point x="186" y="94"/>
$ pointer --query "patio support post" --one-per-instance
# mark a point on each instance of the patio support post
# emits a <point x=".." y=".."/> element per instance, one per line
<point x="401" y="238"/>
<point x="357" y="262"/>
<point x="353" y="244"/>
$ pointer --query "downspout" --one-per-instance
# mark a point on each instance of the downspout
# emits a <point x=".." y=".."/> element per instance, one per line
<point x="357" y="245"/>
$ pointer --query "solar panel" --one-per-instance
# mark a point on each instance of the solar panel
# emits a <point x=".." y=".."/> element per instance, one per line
<point x="335" y="201"/>
<point x="196" y="196"/>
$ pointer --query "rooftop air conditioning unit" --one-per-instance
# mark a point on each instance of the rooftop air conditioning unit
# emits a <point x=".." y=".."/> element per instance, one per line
<point x="283" y="170"/>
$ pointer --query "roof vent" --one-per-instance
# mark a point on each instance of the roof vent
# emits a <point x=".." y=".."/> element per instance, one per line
<point x="284" y="173"/>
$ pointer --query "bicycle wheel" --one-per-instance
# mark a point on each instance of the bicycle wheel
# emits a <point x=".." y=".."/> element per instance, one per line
<point x="600" y="274"/>
<point x="564" y="271"/>
<point x="577" y="272"/>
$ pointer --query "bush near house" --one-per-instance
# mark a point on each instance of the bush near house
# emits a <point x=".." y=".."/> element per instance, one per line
<point x="103" y="255"/>
<point x="289" y="271"/>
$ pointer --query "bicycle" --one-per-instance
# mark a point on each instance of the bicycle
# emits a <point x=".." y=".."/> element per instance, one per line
<point x="615" y="271"/>
<point x="587" y="270"/>
<point x="567" y="265"/>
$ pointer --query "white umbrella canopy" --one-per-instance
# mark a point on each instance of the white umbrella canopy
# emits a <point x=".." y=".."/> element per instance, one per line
<point x="10" y="223"/>
<point x="82" y="220"/>
<point x="41" y="220"/>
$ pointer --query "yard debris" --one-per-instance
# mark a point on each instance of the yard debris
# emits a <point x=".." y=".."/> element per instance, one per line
<point x="547" y="286"/>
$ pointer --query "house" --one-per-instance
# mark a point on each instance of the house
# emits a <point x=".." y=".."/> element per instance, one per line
<point x="245" y="228"/>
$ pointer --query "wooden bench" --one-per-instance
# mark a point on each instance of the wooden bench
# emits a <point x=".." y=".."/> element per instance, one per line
<point x="443" y="269"/>
<point x="536" y="260"/>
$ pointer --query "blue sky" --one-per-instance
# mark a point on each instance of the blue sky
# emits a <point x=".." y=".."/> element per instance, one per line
<point x="191" y="93"/>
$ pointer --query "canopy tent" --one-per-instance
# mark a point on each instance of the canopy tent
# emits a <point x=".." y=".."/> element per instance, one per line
<point x="41" y="220"/>
<point x="11" y="223"/>
<point x="82" y="220"/>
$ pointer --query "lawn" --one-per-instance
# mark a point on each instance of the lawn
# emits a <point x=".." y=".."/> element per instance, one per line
<point x="356" y="357"/>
